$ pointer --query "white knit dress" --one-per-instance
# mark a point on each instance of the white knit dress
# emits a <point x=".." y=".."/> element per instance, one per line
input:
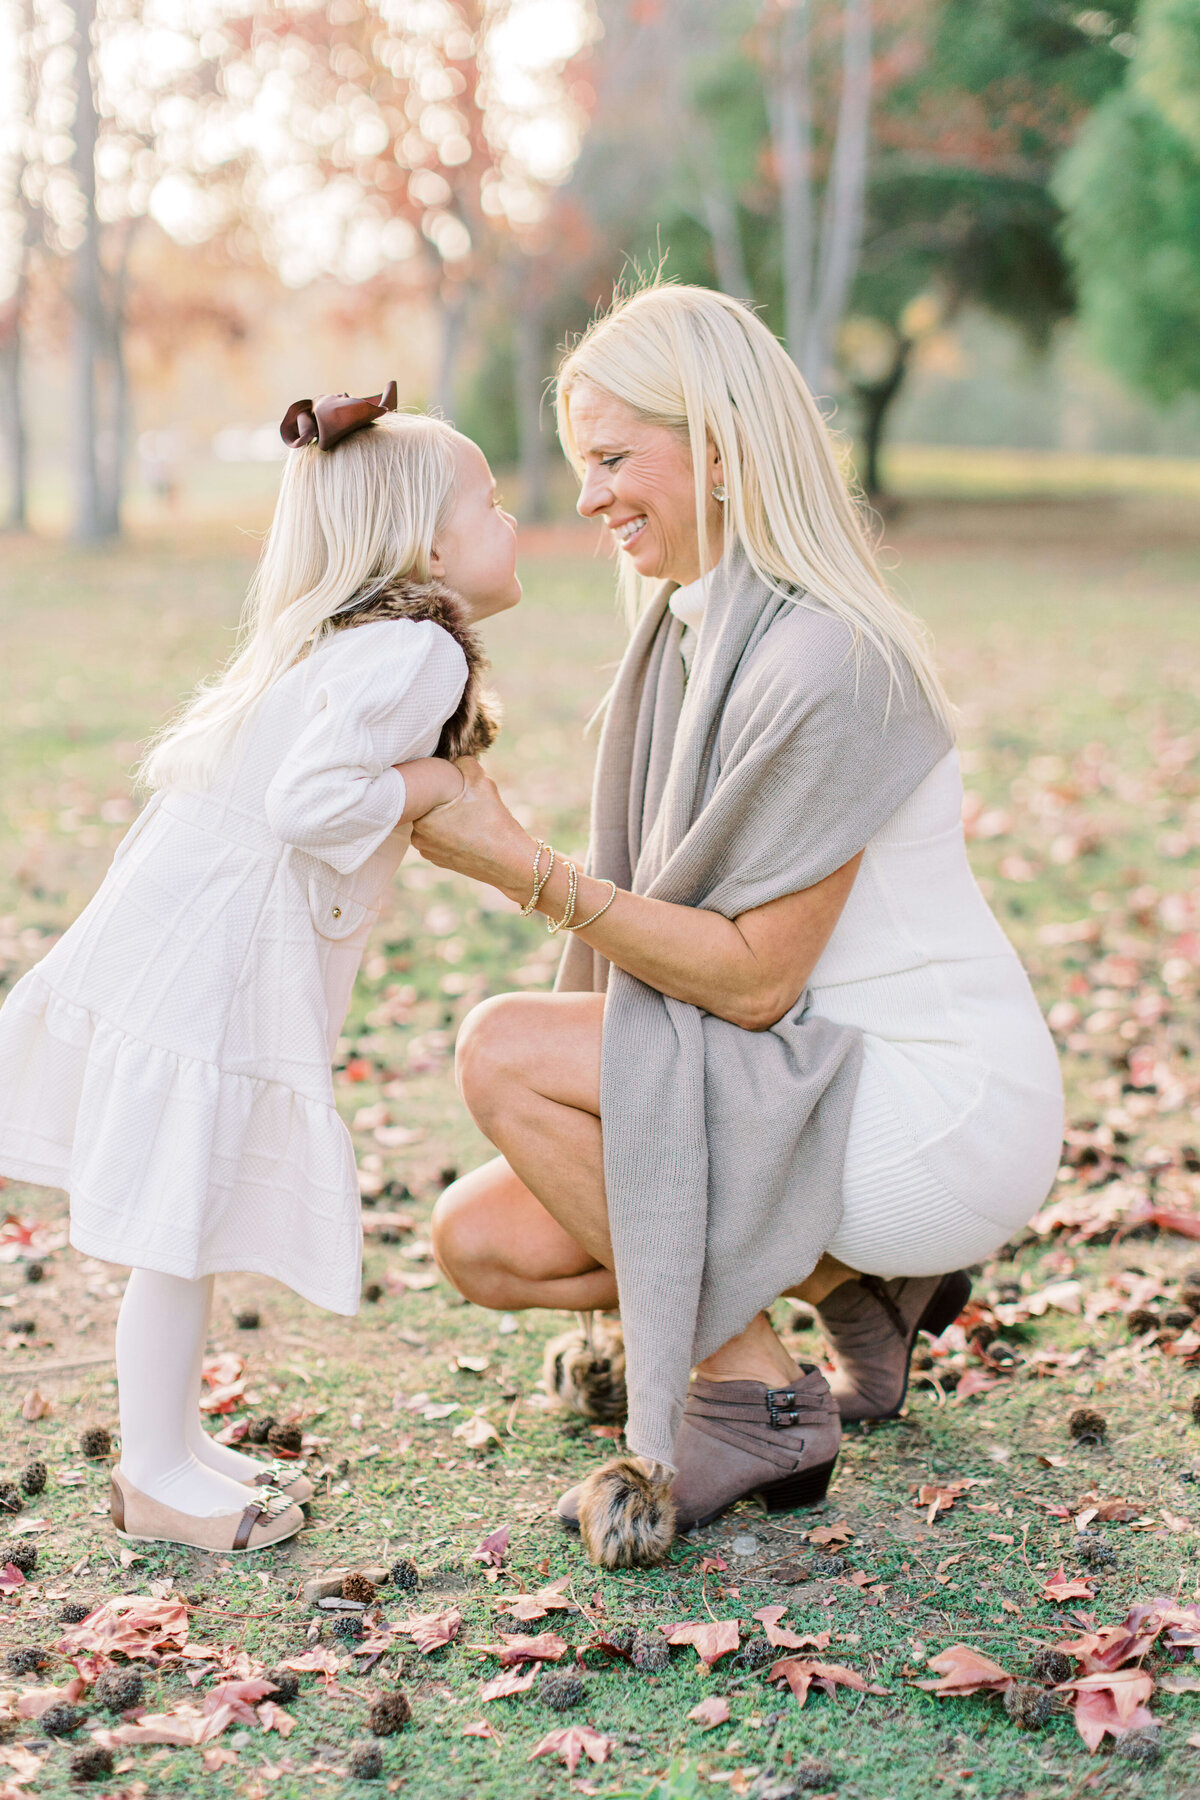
<point x="957" y="1125"/>
<point x="168" y="1061"/>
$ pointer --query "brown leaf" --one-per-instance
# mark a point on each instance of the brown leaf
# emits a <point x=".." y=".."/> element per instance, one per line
<point x="1110" y="1704"/>
<point x="572" y="1742"/>
<point x="130" y="1624"/>
<point x="33" y="1406"/>
<point x="509" y="1681"/>
<point x="711" y="1712"/>
<point x="712" y="1565"/>
<point x="11" y="1579"/>
<point x="477" y="1433"/>
<point x="547" y="1646"/>
<point x="239" y="1696"/>
<point x="1113" y="1511"/>
<point x="35" y="1701"/>
<point x="1061" y="1587"/>
<point x="491" y="1551"/>
<point x="769" y="1617"/>
<point x="182" y="1725"/>
<point x="481" y="1728"/>
<point x="273" y="1718"/>
<point x="837" y="1534"/>
<point x="711" y="1640"/>
<point x="429" y="1631"/>
<point x="961" y="1670"/>
<point x="801" y="1675"/>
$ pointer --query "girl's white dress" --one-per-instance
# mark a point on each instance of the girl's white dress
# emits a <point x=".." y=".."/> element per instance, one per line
<point x="168" y="1061"/>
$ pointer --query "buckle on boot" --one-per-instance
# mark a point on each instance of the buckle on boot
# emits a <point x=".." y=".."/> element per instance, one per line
<point x="780" y="1408"/>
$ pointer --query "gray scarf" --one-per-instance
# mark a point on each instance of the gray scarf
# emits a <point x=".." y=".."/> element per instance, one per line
<point x="724" y="1148"/>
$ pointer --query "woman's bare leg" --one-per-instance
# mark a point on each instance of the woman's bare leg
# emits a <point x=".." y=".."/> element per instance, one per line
<point x="531" y="1227"/>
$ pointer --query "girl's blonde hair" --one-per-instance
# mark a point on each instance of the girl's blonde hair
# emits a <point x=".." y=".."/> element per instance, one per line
<point x="346" y="522"/>
<point x="706" y="367"/>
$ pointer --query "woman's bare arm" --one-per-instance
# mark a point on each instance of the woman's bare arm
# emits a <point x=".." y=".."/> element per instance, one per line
<point x="750" y="970"/>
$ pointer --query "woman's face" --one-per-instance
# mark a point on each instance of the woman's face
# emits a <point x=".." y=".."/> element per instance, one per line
<point x="638" y="479"/>
<point x="476" y="549"/>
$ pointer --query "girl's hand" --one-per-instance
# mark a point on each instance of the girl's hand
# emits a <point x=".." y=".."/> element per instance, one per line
<point x="429" y="782"/>
<point x="476" y="835"/>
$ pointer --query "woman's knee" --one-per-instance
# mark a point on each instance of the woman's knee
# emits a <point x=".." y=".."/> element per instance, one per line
<point x="463" y="1234"/>
<point x="487" y="1056"/>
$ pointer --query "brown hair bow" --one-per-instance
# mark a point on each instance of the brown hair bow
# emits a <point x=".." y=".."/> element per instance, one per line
<point x="331" y="417"/>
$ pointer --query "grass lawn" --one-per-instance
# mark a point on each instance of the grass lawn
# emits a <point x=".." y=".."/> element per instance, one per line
<point x="1070" y="636"/>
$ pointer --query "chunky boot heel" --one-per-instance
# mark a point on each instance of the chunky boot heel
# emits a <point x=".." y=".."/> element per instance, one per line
<point x="871" y="1325"/>
<point x="806" y="1489"/>
<point x="948" y="1301"/>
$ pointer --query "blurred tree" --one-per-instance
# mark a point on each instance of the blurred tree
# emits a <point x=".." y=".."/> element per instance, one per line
<point x="1131" y="189"/>
<point x="23" y="230"/>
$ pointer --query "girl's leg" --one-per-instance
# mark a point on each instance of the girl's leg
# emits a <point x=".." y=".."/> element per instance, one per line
<point x="204" y="1448"/>
<point x="531" y="1228"/>
<point x="160" y="1346"/>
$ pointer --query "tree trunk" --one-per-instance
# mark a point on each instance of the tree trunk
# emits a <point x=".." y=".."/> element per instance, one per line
<point x="87" y="302"/>
<point x="529" y="371"/>
<point x="790" y="107"/>
<point x="12" y="411"/>
<point x="875" y="400"/>
<point x="113" y="465"/>
<point x="452" y="311"/>
<point x="842" y="213"/>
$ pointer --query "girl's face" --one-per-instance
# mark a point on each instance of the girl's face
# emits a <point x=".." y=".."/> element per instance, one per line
<point x="476" y="551"/>
<point x="638" y="479"/>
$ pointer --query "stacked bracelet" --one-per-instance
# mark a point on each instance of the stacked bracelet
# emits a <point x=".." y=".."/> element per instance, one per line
<point x="539" y="881"/>
<point x="612" y="894"/>
<point x="564" y="924"/>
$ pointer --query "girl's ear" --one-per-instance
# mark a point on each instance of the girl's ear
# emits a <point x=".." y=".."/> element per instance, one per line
<point x="437" y="565"/>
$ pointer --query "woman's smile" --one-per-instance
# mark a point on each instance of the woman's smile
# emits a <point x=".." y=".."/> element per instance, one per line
<point x="628" y="531"/>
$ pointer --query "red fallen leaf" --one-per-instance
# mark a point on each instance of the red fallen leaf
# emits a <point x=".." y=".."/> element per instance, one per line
<point x="528" y="1607"/>
<point x="1110" y="1512"/>
<point x="273" y="1718"/>
<point x="239" y="1696"/>
<point x="711" y="1640"/>
<point x="219" y="1371"/>
<point x="547" y="1646"/>
<point x="11" y="1578"/>
<point x="481" y="1728"/>
<point x="711" y="1712"/>
<point x="572" y="1742"/>
<point x="132" y="1624"/>
<point x="962" y="1670"/>
<point x="429" y="1631"/>
<point x="1110" y="1704"/>
<point x="975" y="1381"/>
<point x="491" y="1551"/>
<point x="769" y="1617"/>
<point x="35" y="1701"/>
<point x="941" y="1499"/>
<point x="801" y="1675"/>
<point x="712" y="1565"/>
<point x="1183" y="1224"/>
<point x="1060" y="1587"/>
<point x="511" y="1681"/>
<point x="182" y="1725"/>
<point x="223" y="1399"/>
<point x="216" y="1757"/>
<point x="315" y="1662"/>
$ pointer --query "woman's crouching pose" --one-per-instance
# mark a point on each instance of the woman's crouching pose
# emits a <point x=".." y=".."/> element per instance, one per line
<point x="168" y="1062"/>
<point x="791" y="1051"/>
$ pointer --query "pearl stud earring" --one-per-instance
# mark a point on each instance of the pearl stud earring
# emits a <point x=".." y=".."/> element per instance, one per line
<point x="719" y="493"/>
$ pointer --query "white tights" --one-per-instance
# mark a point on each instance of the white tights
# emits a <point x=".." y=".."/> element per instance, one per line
<point x="165" y="1451"/>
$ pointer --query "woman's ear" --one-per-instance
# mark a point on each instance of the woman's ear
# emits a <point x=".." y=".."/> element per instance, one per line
<point x="716" y="468"/>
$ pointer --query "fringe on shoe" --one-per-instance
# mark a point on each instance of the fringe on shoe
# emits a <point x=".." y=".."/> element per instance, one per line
<point x="474" y="725"/>
<point x="626" y="1516"/>
<point x="584" y="1370"/>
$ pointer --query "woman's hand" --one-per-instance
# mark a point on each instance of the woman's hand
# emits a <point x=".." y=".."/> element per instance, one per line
<point x="476" y="835"/>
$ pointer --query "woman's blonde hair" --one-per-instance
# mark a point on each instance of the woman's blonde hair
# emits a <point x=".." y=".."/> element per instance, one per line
<point x="706" y="367"/>
<point x="346" y="522"/>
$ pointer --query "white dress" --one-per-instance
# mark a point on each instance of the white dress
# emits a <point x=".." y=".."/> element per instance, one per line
<point x="168" y="1061"/>
<point x="956" y="1131"/>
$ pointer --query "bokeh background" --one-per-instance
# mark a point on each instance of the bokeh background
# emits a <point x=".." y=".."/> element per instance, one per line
<point x="976" y="226"/>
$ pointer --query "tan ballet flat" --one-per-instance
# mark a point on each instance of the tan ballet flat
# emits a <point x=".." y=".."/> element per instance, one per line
<point x="269" y="1518"/>
<point x="286" y="1478"/>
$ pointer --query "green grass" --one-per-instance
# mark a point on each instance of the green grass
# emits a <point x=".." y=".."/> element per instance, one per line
<point x="1070" y="638"/>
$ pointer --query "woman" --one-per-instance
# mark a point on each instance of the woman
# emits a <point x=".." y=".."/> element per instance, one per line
<point x="791" y="1051"/>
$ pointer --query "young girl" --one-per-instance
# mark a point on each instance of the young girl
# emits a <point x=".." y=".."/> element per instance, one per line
<point x="168" y="1063"/>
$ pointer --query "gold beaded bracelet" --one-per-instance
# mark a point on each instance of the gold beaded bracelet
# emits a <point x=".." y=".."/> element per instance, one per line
<point x="556" y="925"/>
<point x="584" y="923"/>
<point x="539" y="881"/>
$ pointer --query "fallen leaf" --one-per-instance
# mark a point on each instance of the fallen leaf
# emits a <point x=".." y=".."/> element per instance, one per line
<point x="482" y="1729"/>
<point x="572" y="1742"/>
<point x="35" y="1701"/>
<point x="837" y="1534"/>
<point x="712" y="1565"/>
<point x="216" y="1756"/>
<point x="975" y="1381"/>
<point x="1110" y="1704"/>
<point x="510" y="1681"/>
<point x="239" y="1696"/>
<point x="491" y="1551"/>
<point x="33" y="1406"/>
<point x="477" y="1433"/>
<point x="273" y="1718"/>
<point x="182" y="1725"/>
<point x="11" y="1578"/>
<point x="710" y="1641"/>
<point x="429" y="1631"/>
<point x="769" y="1617"/>
<point x="1061" y="1587"/>
<point x="130" y="1624"/>
<point x="801" y="1675"/>
<point x="547" y="1646"/>
<point x="710" y="1712"/>
<point x="961" y="1670"/>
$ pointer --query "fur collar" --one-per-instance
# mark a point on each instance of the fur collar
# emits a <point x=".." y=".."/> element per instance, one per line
<point x="473" y="726"/>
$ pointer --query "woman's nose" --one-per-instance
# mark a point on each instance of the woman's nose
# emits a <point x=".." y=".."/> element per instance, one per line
<point x="595" y="496"/>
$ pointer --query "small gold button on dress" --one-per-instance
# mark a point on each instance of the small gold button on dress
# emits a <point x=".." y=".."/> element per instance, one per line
<point x="337" y="912"/>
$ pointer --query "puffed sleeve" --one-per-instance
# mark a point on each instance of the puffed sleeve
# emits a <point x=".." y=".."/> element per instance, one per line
<point x="381" y="694"/>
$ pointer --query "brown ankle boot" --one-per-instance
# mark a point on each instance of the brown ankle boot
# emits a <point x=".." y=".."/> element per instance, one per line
<point x="741" y="1437"/>
<point x="871" y="1326"/>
